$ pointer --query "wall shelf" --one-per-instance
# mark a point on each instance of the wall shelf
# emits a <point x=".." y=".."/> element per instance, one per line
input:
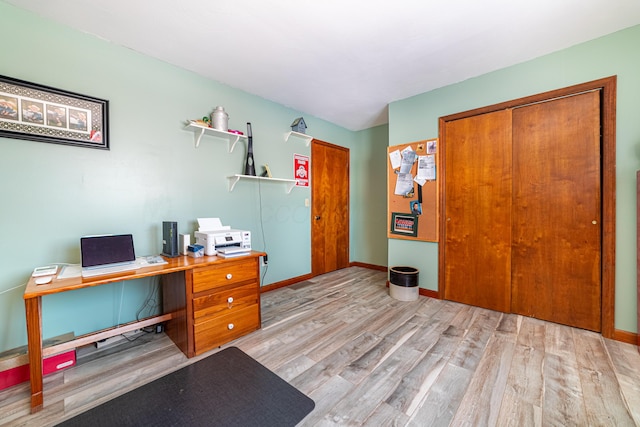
<point x="199" y="131"/>
<point x="233" y="180"/>
<point x="297" y="135"/>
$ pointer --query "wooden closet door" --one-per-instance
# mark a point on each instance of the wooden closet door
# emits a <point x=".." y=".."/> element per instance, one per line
<point x="556" y="272"/>
<point x="477" y="241"/>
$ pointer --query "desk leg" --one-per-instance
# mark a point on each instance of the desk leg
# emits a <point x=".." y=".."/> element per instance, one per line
<point x="33" y="308"/>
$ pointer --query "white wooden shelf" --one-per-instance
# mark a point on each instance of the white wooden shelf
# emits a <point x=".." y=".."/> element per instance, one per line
<point x="233" y="180"/>
<point x="199" y="131"/>
<point x="297" y="135"/>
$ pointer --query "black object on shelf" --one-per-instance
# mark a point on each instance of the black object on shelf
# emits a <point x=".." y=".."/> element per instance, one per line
<point x="249" y="166"/>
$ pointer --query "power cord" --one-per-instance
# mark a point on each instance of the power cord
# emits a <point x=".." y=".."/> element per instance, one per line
<point x="264" y="241"/>
<point x="25" y="284"/>
<point x="11" y="289"/>
<point x="150" y="303"/>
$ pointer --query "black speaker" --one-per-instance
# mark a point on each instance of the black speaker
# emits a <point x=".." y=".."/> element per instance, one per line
<point x="170" y="239"/>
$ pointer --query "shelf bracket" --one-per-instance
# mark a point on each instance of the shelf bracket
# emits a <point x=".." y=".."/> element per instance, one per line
<point x="306" y="138"/>
<point x="233" y="144"/>
<point x="233" y="180"/>
<point x="198" y="136"/>
<point x="290" y="186"/>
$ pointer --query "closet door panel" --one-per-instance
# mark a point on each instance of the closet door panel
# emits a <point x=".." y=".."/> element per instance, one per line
<point x="477" y="251"/>
<point x="556" y="271"/>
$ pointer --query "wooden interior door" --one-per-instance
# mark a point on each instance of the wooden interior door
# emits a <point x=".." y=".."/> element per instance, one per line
<point x="477" y="244"/>
<point x="329" y="207"/>
<point x="556" y="262"/>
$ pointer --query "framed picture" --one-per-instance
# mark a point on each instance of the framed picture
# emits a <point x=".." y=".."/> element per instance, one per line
<point x="405" y="224"/>
<point x="39" y="113"/>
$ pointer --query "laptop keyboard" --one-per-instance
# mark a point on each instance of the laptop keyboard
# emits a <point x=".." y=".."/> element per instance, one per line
<point x="109" y="270"/>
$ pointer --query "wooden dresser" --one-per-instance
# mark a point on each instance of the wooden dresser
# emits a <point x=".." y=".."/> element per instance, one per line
<point x="221" y="303"/>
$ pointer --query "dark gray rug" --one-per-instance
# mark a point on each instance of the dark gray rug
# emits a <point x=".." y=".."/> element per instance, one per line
<point x="228" y="388"/>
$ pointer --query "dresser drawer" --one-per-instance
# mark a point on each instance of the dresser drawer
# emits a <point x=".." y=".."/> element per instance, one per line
<point x="223" y="274"/>
<point x="225" y="301"/>
<point x="224" y="328"/>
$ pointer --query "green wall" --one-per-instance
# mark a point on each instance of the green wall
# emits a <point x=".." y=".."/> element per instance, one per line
<point x="52" y="194"/>
<point x="368" y="199"/>
<point x="616" y="54"/>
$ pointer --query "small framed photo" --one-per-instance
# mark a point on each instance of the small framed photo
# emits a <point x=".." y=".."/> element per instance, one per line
<point x="404" y="224"/>
<point x="30" y="111"/>
<point x="416" y="207"/>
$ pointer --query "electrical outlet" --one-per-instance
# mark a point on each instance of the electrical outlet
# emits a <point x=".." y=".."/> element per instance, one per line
<point x="265" y="259"/>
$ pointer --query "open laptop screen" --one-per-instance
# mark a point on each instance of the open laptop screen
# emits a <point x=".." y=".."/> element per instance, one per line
<point x="102" y="250"/>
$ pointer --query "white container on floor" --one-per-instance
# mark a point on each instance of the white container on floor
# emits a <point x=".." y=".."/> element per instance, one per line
<point x="403" y="283"/>
<point x="403" y="293"/>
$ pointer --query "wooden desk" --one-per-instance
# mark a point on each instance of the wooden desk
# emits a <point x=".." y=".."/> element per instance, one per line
<point x="207" y="301"/>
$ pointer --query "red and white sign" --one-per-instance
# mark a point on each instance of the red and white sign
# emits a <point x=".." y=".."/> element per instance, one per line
<point x="301" y="170"/>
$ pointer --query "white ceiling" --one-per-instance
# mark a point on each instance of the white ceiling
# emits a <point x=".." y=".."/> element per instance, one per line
<point x="342" y="60"/>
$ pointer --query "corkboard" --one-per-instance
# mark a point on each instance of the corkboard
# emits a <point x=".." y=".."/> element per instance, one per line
<point x="400" y="217"/>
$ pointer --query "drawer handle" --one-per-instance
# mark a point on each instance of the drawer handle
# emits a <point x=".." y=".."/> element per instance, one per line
<point x="229" y="276"/>
<point x="230" y="326"/>
<point x="230" y="301"/>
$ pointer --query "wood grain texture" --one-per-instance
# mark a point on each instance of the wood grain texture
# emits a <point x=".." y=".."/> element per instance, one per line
<point x="608" y="93"/>
<point x="367" y="359"/>
<point x="556" y="259"/>
<point x="330" y="207"/>
<point x="477" y="210"/>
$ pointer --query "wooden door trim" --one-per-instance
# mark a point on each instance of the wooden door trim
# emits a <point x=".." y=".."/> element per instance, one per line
<point x="311" y="213"/>
<point x="607" y="87"/>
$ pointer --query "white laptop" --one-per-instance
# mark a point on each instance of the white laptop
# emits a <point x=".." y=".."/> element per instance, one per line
<point x="107" y="254"/>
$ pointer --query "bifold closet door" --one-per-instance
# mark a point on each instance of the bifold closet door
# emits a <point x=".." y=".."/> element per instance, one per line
<point x="477" y="246"/>
<point x="556" y="252"/>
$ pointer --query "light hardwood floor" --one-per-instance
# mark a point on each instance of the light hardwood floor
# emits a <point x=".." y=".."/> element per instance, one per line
<point x="368" y="359"/>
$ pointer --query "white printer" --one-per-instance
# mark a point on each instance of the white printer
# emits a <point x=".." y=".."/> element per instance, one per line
<point x="222" y="240"/>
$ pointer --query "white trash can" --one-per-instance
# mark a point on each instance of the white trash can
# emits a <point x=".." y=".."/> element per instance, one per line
<point x="403" y="283"/>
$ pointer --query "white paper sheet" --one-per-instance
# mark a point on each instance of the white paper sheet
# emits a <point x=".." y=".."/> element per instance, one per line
<point x="395" y="158"/>
<point x="211" y="224"/>
<point x="426" y="167"/>
<point x="69" y="271"/>
<point x="408" y="159"/>
<point x="404" y="184"/>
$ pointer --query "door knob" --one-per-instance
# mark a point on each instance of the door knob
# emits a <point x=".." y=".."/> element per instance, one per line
<point x="594" y="222"/>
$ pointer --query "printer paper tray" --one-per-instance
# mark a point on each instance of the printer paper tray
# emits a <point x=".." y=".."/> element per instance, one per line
<point x="229" y="250"/>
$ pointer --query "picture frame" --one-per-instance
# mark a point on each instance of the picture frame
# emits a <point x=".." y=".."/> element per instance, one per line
<point x="405" y="224"/>
<point x="35" y="112"/>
